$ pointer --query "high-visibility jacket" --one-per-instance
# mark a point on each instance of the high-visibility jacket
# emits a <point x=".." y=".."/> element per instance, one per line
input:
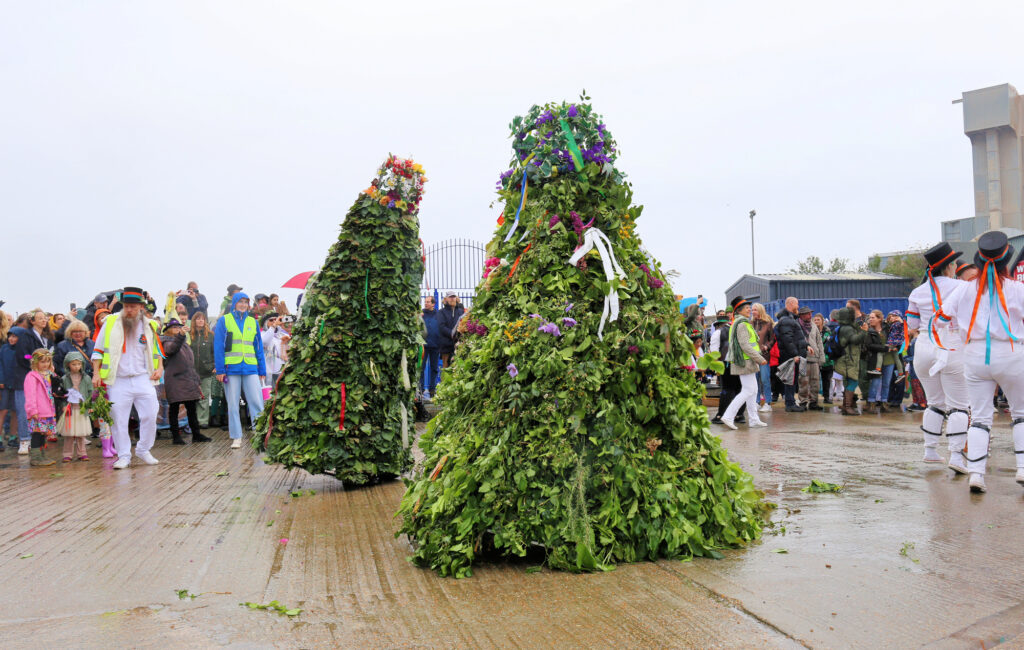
<point x="242" y="348"/>
<point x="114" y="345"/>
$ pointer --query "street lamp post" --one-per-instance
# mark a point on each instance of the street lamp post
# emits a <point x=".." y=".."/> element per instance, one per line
<point x="753" y="213"/>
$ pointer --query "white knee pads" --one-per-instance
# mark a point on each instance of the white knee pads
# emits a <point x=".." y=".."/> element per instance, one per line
<point x="956" y="428"/>
<point x="977" y="447"/>
<point x="1018" y="441"/>
<point x="931" y="424"/>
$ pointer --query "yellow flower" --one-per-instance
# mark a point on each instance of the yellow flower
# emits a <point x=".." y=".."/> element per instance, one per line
<point x="400" y="205"/>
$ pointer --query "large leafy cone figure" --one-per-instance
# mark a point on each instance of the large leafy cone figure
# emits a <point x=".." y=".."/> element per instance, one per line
<point x="344" y="402"/>
<point x="571" y="419"/>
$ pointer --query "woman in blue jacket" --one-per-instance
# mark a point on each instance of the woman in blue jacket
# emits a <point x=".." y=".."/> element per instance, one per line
<point x="235" y="365"/>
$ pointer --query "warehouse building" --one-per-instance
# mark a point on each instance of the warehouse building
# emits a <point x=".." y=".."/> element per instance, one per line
<point x="824" y="292"/>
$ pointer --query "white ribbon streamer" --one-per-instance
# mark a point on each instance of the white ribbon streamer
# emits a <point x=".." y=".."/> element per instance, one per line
<point x="405" y="426"/>
<point x="595" y="239"/>
<point x="405" y="373"/>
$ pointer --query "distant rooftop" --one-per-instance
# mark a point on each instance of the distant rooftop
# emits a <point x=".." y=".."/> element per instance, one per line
<point x="825" y="277"/>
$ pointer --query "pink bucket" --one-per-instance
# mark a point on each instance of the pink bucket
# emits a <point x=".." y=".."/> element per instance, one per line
<point x="266" y="393"/>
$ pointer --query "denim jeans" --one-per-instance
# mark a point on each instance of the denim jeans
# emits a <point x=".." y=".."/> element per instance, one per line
<point x="431" y="368"/>
<point x="879" y="389"/>
<point x="765" y="374"/>
<point x="253" y="397"/>
<point x="19" y="405"/>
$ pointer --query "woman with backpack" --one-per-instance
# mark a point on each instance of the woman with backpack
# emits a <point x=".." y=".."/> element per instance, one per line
<point x="845" y="350"/>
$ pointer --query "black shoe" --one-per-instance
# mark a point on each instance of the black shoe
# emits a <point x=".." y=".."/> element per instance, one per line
<point x="814" y="407"/>
<point x="716" y="420"/>
<point x="177" y="440"/>
<point x="795" y="409"/>
<point x="739" y="420"/>
<point x="198" y="437"/>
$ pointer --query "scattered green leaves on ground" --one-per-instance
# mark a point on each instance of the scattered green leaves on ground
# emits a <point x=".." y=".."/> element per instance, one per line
<point x="26" y="556"/>
<point x="298" y="493"/>
<point x="780" y="550"/>
<point x="223" y="472"/>
<point x="274" y="605"/>
<point x="184" y="593"/>
<point x="906" y="549"/>
<point x="535" y="569"/>
<point x="817" y="486"/>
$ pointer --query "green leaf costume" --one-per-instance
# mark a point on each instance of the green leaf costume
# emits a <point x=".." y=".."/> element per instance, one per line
<point x="344" y="402"/>
<point x="591" y="444"/>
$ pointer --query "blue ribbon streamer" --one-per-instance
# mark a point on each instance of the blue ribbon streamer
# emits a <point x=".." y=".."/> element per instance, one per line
<point x="522" y="198"/>
<point x="993" y="304"/>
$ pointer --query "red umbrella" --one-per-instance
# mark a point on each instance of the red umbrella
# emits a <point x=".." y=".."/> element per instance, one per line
<point x="299" y="281"/>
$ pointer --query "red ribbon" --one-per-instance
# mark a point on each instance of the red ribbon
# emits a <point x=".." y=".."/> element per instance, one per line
<point x="341" y="420"/>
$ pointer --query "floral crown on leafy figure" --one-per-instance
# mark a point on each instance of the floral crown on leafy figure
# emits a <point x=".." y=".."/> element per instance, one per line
<point x="559" y="138"/>
<point x="398" y="184"/>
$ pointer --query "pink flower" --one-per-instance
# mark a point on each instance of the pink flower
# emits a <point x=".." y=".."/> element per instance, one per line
<point x="284" y="540"/>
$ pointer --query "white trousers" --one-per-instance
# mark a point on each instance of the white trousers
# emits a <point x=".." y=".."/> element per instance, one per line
<point x="748" y="396"/>
<point x="1006" y="370"/>
<point x="123" y="394"/>
<point x="946" y="391"/>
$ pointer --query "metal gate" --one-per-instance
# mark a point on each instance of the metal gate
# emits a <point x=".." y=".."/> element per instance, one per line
<point x="453" y="265"/>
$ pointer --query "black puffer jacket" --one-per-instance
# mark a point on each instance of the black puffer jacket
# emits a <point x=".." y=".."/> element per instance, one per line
<point x="447" y="319"/>
<point x="791" y="337"/>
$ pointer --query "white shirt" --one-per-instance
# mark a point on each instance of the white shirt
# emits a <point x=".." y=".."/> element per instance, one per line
<point x="716" y="340"/>
<point x="960" y="304"/>
<point x="920" y="309"/>
<point x="133" y="361"/>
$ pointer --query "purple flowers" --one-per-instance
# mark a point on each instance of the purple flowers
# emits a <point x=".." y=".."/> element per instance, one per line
<point x="546" y="116"/>
<point x="554" y="220"/>
<point x="652" y="281"/>
<point x="569" y="322"/>
<point x="550" y="328"/>
<point x="391" y="204"/>
<point x="534" y="315"/>
<point x="476" y="327"/>
<point x="504" y="177"/>
<point x="569" y="307"/>
<point x="512" y="370"/>
<point x="577" y="223"/>
<point x="633" y="349"/>
<point x="572" y="111"/>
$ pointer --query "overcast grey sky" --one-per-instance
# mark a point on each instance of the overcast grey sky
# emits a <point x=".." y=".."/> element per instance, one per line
<point x="152" y="143"/>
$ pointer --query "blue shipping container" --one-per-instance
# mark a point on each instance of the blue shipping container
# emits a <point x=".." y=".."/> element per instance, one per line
<point x="825" y="307"/>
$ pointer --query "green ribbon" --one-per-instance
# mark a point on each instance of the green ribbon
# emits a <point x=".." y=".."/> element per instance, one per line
<point x="366" y="294"/>
<point x="320" y="333"/>
<point x="577" y="157"/>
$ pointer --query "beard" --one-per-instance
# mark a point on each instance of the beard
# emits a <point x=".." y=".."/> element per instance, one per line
<point x="130" y="322"/>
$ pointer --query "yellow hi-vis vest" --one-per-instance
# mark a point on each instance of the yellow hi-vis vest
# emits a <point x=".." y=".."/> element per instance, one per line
<point x="155" y="348"/>
<point x="753" y="338"/>
<point x="242" y="348"/>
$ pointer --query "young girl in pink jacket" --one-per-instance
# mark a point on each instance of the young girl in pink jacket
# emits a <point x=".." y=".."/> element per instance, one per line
<point x="39" y="408"/>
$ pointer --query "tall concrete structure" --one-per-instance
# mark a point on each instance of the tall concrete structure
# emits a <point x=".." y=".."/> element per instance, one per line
<point x="994" y="122"/>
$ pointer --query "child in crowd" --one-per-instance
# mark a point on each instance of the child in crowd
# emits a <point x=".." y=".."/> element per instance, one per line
<point x="7" y="374"/>
<point x="75" y="424"/>
<point x="39" y="407"/>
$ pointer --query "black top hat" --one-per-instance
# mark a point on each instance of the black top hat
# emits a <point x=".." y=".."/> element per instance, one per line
<point x="940" y="254"/>
<point x="134" y="295"/>
<point x="994" y="247"/>
<point x="737" y="302"/>
<point x="964" y="266"/>
<point x="172" y="323"/>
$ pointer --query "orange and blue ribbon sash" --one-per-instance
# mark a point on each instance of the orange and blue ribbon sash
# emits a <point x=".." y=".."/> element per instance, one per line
<point x="990" y="278"/>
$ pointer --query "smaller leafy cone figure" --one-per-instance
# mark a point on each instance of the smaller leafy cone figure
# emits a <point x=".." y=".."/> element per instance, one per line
<point x="571" y="421"/>
<point x="344" y="402"/>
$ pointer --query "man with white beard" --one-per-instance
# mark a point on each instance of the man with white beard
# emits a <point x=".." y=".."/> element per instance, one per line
<point x="128" y="358"/>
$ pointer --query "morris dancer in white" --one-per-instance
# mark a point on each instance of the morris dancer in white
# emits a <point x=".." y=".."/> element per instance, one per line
<point x="938" y="359"/>
<point x="129" y="359"/>
<point x="989" y="311"/>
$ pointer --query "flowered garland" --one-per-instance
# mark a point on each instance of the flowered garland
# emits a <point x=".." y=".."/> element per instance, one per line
<point x="97" y="406"/>
<point x="559" y="138"/>
<point x="399" y="184"/>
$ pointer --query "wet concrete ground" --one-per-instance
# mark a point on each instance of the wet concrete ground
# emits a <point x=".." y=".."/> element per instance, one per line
<point x="903" y="557"/>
